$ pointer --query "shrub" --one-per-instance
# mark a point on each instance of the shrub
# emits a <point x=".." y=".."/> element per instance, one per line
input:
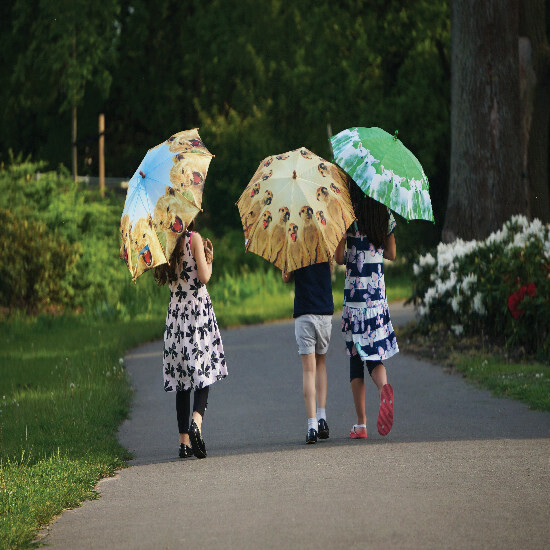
<point x="37" y="264"/>
<point x="499" y="286"/>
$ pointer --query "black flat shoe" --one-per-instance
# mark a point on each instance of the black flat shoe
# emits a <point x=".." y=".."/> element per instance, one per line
<point x="197" y="442"/>
<point x="323" y="429"/>
<point x="185" y="451"/>
<point x="311" y="436"/>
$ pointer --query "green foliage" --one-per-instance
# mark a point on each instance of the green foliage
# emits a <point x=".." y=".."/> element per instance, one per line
<point x="37" y="265"/>
<point x="257" y="77"/>
<point x="65" y="47"/>
<point x="470" y="286"/>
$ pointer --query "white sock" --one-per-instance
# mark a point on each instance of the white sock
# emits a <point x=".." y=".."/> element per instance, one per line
<point x="312" y="423"/>
<point x="359" y="425"/>
<point x="321" y="413"/>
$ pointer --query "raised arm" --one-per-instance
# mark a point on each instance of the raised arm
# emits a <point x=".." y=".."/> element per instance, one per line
<point x="390" y="250"/>
<point x="339" y="252"/>
<point x="203" y="267"/>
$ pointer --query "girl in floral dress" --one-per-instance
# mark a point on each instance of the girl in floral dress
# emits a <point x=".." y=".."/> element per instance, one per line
<point x="366" y="323"/>
<point x="193" y="357"/>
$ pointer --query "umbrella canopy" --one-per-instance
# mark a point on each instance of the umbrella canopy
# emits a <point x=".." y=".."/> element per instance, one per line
<point x="385" y="170"/>
<point x="295" y="209"/>
<point x="164" y="195"/>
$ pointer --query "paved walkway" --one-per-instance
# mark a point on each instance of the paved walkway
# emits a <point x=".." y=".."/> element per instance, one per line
<point x="460" y="469"/>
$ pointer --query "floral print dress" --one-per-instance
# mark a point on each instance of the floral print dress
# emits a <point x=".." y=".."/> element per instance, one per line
<point x="366" y="322"/>
<point x="193" y="355"/>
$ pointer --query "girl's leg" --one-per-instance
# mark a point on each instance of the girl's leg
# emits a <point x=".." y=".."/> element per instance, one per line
<point x="385" y="394"/>
<point x="183" y="401"/>
<point x="357" y="379"/>
<point x="379" y="377"/>
<point x="358" y="391"/>
<point x="308" y="382"/>
<point x="321" y="380"/>
<point x="200" y="400"/>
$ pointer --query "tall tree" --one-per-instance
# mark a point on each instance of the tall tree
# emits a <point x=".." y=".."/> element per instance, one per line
<point x="535" y="93"/>
<point x="64" y="45"/>
<point x="485" y="186"/>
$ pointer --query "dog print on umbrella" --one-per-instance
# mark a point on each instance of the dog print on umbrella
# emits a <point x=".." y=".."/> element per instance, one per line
<point x="164" y="195"/>
<point x="301" y="228"/>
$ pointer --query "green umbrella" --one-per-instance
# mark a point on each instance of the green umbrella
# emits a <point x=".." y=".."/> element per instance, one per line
<point x="385" y="170"/>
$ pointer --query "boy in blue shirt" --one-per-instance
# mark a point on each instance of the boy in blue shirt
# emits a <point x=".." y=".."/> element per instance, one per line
<point x="313" y="309"/>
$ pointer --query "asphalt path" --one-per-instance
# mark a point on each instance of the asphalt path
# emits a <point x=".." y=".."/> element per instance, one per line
<point x="460" y="469"/>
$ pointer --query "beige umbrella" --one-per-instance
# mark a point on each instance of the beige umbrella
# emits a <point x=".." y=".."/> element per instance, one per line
<point x="295" y="209"/>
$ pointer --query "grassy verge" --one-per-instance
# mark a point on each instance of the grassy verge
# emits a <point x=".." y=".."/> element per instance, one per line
<point x="486" y="364"/>
<point x="64" y="392"/>
<point x="528" y="382"/>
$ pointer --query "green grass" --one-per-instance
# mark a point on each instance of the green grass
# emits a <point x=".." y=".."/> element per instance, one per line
<point x="64" y="392"/>
<point x="525" y="382"/>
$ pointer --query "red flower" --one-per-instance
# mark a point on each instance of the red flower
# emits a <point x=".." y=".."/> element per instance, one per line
<point x="515" y="299"/>
<point x="531" y="289"/>
<point x="513" y="302"/>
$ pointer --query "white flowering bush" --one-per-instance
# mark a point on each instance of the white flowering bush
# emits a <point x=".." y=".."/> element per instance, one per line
<point x="500" y="285"/>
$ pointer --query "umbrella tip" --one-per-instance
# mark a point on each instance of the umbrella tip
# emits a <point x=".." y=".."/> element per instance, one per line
<point x="294" y="175"/>
<point x="141" y="173"/>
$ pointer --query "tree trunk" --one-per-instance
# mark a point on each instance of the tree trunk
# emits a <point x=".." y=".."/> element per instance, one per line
<point x="485" y="186"/>
<point x="535" y="80"/>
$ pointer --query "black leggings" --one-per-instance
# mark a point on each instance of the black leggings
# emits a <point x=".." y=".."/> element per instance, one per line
<point x="357" y="367"/>
<point x="183" y="402"/>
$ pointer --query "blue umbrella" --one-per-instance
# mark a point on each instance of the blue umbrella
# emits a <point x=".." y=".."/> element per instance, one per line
<point x="164" y="195"/>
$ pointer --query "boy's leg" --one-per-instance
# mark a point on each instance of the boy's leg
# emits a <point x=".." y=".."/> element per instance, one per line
<point x="321" y="380"/>
<point x="321" y="391"/>
<point x="309" y="382"/>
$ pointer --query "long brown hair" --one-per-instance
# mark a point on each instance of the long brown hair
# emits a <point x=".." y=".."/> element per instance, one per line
<point x="166" y="273"/>
<point x="372" y="216"/>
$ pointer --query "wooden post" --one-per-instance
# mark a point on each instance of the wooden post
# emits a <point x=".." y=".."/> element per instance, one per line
<point x="102" y="155"/>
<point x="73" y="136"/>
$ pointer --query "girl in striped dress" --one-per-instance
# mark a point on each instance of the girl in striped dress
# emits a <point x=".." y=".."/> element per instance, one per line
<point x="366" y="323"/>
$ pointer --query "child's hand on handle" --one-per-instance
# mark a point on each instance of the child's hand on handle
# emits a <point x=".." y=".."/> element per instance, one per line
<point x="208" y="250"/>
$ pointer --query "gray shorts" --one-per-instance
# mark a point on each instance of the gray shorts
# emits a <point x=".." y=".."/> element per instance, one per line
<point x="313" y="333"/>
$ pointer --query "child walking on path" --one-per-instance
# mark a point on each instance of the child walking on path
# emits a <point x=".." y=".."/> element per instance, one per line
<point x="193" y="357"/>
<point x="366" y="323"/>
<point x="313" y="309"/>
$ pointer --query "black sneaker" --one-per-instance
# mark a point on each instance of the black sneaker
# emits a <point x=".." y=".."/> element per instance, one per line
<point x="311" y="436"/>
<point x="197" y="442"/>
<point x="185" y="451"/>
<point x="323" y="429"/>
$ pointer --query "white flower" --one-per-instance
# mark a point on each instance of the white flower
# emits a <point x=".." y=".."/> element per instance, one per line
<point x="455" y="303"/>
<point x="478" y="306"/>
<point x="426" y="261"/>
<point x="443" y="286"/>
<point x="429" y="296"/>
<point x="121" y="361"/>
<point x="457" y="329"/>
<point x="416" y="270"/>
<point x="422" y="310"/>
<point x="469" y="280"/>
